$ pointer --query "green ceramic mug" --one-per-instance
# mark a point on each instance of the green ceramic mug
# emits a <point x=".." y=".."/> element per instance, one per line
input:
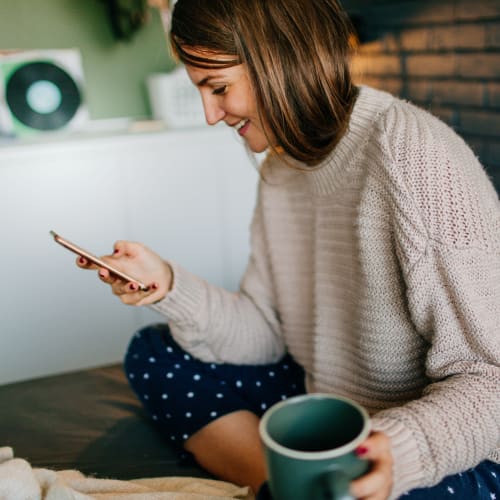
<point x="310" y="443"/>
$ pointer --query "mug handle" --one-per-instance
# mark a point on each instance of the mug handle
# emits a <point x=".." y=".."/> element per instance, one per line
<point x="334" y="485"/>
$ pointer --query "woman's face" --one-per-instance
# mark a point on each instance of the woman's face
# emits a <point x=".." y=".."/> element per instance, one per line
<point x="227" y="96"/>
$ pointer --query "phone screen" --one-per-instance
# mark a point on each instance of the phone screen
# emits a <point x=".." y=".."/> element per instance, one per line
<point x="96" y="260"/>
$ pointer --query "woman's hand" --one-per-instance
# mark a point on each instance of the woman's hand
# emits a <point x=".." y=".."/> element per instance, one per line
<point x="140" y="262"/>
<point x="377" y="483"/>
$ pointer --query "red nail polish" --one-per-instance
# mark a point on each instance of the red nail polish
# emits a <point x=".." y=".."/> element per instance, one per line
<point x="361" y="450"/>
<point x="132" y="286"/>
<point x="116" y="250"/>
<point x="101" y="275"/>
<point x="81" y="260"/>
<point x="154" y="286"/>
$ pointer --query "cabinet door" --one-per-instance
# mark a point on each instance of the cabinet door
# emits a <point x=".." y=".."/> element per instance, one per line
<point x="166" y="190"/>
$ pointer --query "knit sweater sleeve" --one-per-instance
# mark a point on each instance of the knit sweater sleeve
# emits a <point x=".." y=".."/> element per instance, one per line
<point x="448" y="235"/>
<point x="216" y="325"/>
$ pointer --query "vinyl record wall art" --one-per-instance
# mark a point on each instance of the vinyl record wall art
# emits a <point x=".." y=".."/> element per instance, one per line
<point x="42" y="96"/>
<point x="42" y="92"/>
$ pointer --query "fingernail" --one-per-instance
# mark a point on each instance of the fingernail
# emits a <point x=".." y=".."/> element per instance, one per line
<point x="154" y="286"/>
<point x="361" y="450"/>
<point x="132" y="286"/>
<point x="81" y="260"/>
<point x="116" y="250"/>
<point x="101" y="275"/>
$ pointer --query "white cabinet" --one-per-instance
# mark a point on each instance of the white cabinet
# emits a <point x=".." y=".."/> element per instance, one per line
<point x="188" y="195"/>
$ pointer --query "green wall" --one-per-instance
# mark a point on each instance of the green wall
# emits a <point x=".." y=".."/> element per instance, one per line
<point x="115" y="71"/>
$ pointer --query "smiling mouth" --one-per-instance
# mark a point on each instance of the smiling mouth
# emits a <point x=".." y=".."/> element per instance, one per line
<point x="241" y="124"/>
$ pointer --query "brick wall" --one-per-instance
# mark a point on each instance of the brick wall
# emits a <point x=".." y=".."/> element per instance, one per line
<point x="443" y="56"/>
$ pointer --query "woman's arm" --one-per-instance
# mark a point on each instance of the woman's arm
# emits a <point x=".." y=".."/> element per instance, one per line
<point x="449" y="250"/>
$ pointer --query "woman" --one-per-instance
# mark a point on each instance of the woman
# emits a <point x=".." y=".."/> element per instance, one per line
<point x="374" y="269"/>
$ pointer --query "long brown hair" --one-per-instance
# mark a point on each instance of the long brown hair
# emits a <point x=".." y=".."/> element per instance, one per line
<point x="297" y="56"/>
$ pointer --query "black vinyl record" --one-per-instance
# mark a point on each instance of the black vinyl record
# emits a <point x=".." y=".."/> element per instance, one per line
<point x="24" y="79"/>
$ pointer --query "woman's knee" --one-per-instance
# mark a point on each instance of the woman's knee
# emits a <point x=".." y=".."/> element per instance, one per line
<point x="145" y="342"/>
<point x="145" y="350"/>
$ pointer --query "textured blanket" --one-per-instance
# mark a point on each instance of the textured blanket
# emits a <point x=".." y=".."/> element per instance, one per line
<point x="19" y="481"/>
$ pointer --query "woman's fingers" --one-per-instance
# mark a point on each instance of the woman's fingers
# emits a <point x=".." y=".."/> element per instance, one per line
<point x="137" y="261"/>
<point x="377" y="483"/>
<point x="131" y="294"/>
<point x="106" y="276"/>
<point x="123" y="248"/>
<point x="84" y="263"/>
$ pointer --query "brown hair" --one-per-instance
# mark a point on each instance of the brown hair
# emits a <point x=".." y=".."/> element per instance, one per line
<point x="296" y="53"/>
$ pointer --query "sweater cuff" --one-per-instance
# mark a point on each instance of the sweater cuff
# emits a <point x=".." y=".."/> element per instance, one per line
<point x="181" y="305"/>
<point x="407" y="471"/>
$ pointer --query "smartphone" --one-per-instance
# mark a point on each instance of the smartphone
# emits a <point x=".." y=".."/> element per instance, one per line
<point x="95" y="260"/>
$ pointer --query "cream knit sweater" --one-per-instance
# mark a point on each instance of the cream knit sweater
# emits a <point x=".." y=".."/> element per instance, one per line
<point x="380" y="273"/>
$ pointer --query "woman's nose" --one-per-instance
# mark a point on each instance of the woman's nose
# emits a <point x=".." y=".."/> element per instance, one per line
<point x="213" y="112"/>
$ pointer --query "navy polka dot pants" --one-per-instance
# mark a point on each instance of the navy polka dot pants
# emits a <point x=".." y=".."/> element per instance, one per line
<point x="183" y="394"/>
<point x="480" y="483"/>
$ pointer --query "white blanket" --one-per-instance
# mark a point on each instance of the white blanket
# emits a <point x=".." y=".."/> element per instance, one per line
<point x="19" y="481"/>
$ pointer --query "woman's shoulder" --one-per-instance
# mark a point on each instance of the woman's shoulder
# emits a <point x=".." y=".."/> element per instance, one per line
<point x="398" y="116"/>
<point x="440" y="176"/>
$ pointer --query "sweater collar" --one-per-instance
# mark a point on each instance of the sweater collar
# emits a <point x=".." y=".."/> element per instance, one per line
<point x="330" y="175"/>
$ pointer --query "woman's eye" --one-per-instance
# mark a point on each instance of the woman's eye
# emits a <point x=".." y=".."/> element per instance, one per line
<point x="220" y="90"/>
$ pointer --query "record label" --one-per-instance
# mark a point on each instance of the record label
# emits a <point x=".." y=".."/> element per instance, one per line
<point x="43" y="96"/>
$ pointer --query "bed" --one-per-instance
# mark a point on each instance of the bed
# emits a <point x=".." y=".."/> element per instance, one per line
<point x="88" y="420"/>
